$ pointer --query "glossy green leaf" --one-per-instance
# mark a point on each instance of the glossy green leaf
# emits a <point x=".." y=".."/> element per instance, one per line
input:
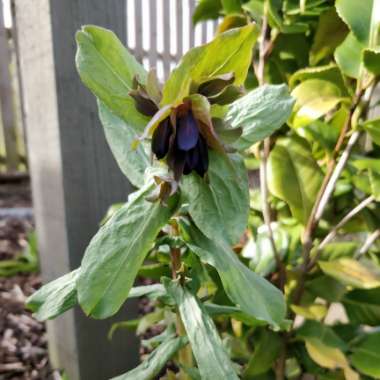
<point x="120" y="136"/>
<point x="227" y="185"/>
<point x="294" y="176"/>
<point x="373" y="128"/>
<point x="155" y="361"/>
<point x="330" y="33"/>
<point x="358" y="274"/>
<point x="366" y="355"/>
<point x="213" y="361"/>
<point x="371" y="60"/>
<point x="364" y="21"/>
<point x="229" y="52"/>
<point x="330" y="73"/>
<point x="316" y="330"/>
<point x="260" y="113"/>
<point x="254" y="294"/>
<point x="151" y="291"/>
<point x="363" y="306"/>
<point x="206" y="10"/>
<point x="231" y="6"/>
<point x="314" y="98"/>
<point x="327" y="288"/>
<point x="374" y="179"/>
<point x="330" y="357"/>
<point x="54" y="298"/>
<point x="267" y="347"/>
<point x="107" y="69"/>
<point x="115" y="254"/>
<point x="348" y="56"/>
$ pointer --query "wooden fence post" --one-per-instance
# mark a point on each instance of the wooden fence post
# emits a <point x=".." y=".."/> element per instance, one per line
<point x="6" y="99"/>
<point x="74" y="176"/>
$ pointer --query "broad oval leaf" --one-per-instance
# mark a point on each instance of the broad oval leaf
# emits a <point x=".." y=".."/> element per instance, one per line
<point x="107" y="69"/>
<point x="373" y="128"/>
<point x="358" y="274"/>
<point x="371" y="60"/>
<point x="155" y="361"/>
<point x="54" y="298"/>
<point x="366" y="355"/>
<point x="120" y="136"/>
<point x="220" y="207"/>
<point x="363" y="306"/>
<point x="255" y="295"/>
<point x="330" y="357"/>
<point x="330" y="33"/>
<point x="314" y="98"/>
<point x="229" y="52"/>
<point x="330" y="73"/>
<point x="348" y="56"/>
<point x="115" y="254"/>
<point x="213" y="361"/>
<point x="294" y="176"/>
<point x="267" y="347"/>
<point x="260" y="113"/>
<point x="364" y="21"/>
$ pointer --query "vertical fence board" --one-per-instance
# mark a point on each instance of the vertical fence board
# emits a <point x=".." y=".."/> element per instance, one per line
<point x="191" y="28"/>
<point x="153" y="33"/>
<point x="166" y="27"/>
<point x="138" y="30"/>
<point x="204" y="32"/>
<point x="6" y="100"/>
<point x="74" y="176"/>
<point x="180" y="28"/>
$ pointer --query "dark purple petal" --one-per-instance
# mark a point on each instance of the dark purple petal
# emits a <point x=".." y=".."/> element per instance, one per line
<point x="187" y="132"/>
<point x="202" y="164"/>
<point x="192" y="159"/>
<point x="161" y="138"/>
<point x="143" y="104"/>
<point x="176" y="161"/>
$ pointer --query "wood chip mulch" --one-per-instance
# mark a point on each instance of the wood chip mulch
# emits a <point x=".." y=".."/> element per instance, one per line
<point x="23" y="343"/>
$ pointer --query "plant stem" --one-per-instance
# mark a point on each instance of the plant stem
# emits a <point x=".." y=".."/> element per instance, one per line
<point x="331" y="177"/>
<point x="267" y="214"/>
<point x="185" y="355"/>
<point x="368" y="243"/>
<point x="363" y="204"/>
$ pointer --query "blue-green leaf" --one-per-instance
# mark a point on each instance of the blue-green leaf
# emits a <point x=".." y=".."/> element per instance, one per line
<point x="260" y="113"/>
<point x="213" y="361"/>
<point x="155" y="361"/>
<point x="220" y="207"/>
<point x="54" y="298"/>
<point x="255" y="295"/>
<point x="107" y="69"/>
<point x="115" y="254"/>
<point x="120" y="136"/>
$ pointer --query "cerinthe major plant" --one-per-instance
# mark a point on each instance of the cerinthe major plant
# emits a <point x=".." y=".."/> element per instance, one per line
<point x="249" y="277"/>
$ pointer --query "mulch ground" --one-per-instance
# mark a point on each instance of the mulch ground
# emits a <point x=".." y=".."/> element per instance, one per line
<point x="23" y="344"/>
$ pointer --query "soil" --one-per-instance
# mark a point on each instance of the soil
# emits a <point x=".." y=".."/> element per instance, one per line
<point x="23" y="344"/>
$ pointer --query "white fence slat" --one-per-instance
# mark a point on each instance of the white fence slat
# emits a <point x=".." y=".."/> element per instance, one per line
<point x="138" y="30"/>
<point x="153" y="34"/>
<point x="166" y="27"/>
<point x="204" y="33"/>
<point x="180" y="28"/>
<point x="191" y="27"/>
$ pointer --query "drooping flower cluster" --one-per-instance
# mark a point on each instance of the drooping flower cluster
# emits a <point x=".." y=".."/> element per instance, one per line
<point x="182" y="144"/>
<point x="182" y="135"/>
